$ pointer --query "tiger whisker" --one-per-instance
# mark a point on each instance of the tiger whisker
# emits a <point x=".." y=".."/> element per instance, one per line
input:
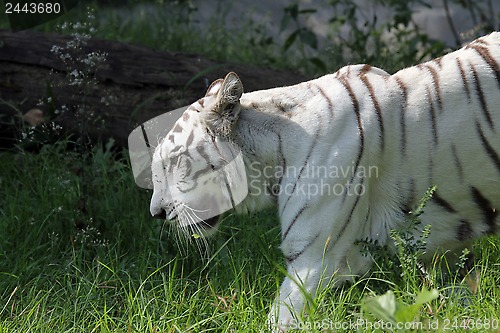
<point x="191" y="225"/>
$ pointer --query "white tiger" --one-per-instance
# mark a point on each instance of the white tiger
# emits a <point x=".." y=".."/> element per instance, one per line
<point x="344" y="157"/>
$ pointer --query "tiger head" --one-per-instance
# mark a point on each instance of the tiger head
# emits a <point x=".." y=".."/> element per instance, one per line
<point x="197" y="169"/>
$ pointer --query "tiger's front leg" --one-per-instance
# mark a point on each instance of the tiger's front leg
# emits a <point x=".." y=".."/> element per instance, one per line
<point x="307" y="271"/>
<point x="300" y="285"/>
<point x="315" y="260"/>
<point x="315" y="269"/>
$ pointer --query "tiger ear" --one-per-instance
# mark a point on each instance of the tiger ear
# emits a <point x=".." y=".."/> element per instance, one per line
<point x="222" y="118"/>
<point x="214" y="88"/>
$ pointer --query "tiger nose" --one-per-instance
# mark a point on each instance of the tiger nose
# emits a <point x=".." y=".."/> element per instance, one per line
<point x="156" y="207"/>
<point x="158" y="212"/>
<point x="162" y="214"/>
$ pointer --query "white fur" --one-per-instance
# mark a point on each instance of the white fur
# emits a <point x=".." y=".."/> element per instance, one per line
<point x="427" y="127"/>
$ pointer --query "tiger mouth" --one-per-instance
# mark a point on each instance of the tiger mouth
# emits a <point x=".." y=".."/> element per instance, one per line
<point x="161" y="216"/>
<point x="207" y="224"/>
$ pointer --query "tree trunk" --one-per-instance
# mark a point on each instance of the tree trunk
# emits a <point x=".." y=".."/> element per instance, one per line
<point x="134" y="84"/>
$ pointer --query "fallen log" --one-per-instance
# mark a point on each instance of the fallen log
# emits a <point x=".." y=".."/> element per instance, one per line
<point x="134" y="84"/>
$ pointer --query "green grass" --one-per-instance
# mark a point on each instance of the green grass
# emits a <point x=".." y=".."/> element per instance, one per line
<point x="110" y="267"/>
<point x="79" y="253"/>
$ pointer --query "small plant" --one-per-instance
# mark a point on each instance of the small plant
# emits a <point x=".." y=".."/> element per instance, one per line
<point x="394" y="314"/>
<point x="388" y="311"/>
<point x="356" y="37"/>
<point x="409" y="249"/>
<point x="302" y="36"/>
<point x="80" y="66"/>
<point x="402" y="260"/>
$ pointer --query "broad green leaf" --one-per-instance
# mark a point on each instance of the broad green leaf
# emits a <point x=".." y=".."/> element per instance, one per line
<point x="426" y="296"/>
<point x="318" y="63"/>
<point x="289" y="41"/>
<point x="308" y="37"/>
<point x="382" y="307"/>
